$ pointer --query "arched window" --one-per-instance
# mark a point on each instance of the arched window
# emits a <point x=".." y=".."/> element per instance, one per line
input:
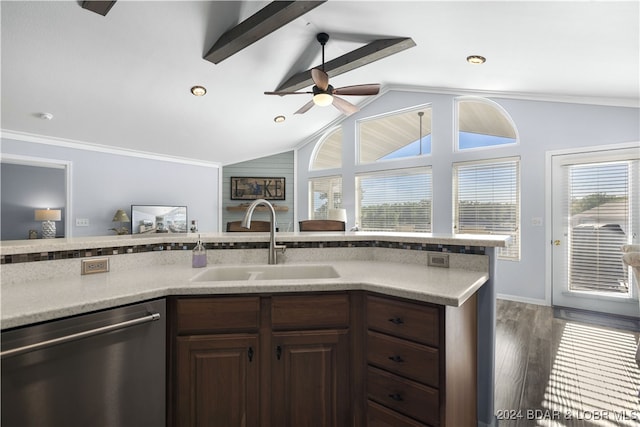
<point x="396" y="135"/>
<point x="328" y="152"/>
<point x="483" y="123"/>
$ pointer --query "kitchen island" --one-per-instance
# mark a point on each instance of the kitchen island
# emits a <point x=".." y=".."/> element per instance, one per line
<point x="393" y="265"/>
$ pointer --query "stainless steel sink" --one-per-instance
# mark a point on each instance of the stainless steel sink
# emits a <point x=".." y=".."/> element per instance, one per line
<point x="265" y="272"/>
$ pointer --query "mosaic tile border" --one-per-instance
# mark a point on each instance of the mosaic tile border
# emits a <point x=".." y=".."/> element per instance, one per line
<point x="135" y="249"/>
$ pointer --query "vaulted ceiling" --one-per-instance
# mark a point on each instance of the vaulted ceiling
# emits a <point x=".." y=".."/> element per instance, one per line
<point x="124" y="79"/>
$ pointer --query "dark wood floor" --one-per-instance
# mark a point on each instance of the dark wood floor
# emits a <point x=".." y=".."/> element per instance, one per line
<point x="554" y="372"/>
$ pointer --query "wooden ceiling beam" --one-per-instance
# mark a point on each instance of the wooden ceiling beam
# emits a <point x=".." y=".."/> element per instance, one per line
<point x="367" y="54"/>
<point x="268" y="19"/>
<point x="97" y="6"/>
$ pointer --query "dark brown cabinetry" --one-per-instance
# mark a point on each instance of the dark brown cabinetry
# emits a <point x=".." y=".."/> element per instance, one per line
<point x="321" y="359"/>
<point x="421" y="363"/>
<point x="278" y="360"/>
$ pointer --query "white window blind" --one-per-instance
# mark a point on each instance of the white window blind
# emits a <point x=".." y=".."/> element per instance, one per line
<point x="487" y="201"/>
<point x="395" y="200"/>
<point x="324" y="193"/>
<point x="598" y="208"/>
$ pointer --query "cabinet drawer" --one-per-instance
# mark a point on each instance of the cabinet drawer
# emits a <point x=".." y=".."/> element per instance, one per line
<point x="406" y="358"/>
<point x="379" y="416"/>
<point x="403" y="319"/>
<point x="405" y="396"/>
<point x="310" y="311"/>
<point x="222" y="314"/>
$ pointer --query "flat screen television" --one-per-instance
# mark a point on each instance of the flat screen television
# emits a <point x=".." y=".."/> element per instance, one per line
<point x="152" y="219"/>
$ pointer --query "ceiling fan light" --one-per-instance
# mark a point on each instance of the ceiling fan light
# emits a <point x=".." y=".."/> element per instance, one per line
<point x="322" y="99"/>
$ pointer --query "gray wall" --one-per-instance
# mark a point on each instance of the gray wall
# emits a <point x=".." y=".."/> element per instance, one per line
<point x="279" y="165"/>
<point x="103" y="182"/>
<point x="25" y="188"/>
<point x="542" y="127"/>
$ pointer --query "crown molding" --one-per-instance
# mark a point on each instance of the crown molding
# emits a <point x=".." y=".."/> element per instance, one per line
<point x="86" y="146"/>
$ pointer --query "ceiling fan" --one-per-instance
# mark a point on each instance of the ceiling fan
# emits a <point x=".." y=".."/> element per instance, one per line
<point x="324" y="94"/>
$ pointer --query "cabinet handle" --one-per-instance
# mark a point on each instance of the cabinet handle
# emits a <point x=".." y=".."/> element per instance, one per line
<point x="397" y="397"/>
<point x="278" y="352"/>
<point x="396" y="359"/>
<point x="250" y="354"/>
<point x="396" y="320"/>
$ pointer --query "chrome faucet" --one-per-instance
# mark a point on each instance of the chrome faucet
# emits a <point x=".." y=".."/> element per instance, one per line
<point x="246" y="223"/>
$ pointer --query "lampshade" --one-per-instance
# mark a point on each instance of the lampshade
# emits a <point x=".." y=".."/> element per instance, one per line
<point x="322" y="99"/>
<point x="337" y="214"/>
<point x="121" y="216"/>
<point x="47" y="214"/>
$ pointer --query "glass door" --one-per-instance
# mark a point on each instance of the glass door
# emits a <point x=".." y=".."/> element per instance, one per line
<point x="594" y="212"/>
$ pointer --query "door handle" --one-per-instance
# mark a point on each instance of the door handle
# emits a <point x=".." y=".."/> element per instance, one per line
<point x="556" y="242"/>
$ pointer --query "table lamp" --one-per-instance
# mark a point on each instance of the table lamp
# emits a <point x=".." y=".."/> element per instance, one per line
<point x="121" y="216"/>
<point x="48" y="216"/>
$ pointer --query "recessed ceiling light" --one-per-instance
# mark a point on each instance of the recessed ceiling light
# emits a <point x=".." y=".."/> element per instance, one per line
<point x="198" y="90"/>
<point x="279" y="119"/>
<point x="476" y="59"/>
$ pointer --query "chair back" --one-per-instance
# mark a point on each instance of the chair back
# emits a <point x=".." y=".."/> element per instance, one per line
<point x="321" y="225"/>
<point x="255" y="226"/>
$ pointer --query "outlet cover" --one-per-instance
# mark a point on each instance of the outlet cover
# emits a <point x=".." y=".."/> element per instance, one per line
<point x="95" y="265"/>
<point x="82" y="222"/>
<point x="438" y="260"/>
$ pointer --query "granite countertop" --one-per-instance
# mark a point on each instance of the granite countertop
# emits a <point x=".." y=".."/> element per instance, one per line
<point x="43" y="300"/>
<point x="12" y="247"/>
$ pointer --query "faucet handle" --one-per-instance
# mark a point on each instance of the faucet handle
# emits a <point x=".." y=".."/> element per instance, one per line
<point x="281" y="248"/>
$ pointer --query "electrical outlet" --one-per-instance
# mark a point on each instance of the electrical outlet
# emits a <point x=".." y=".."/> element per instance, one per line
<point x="438" y="260"/>
<point x="95" y="265"/>
<point x="82" y="222"/>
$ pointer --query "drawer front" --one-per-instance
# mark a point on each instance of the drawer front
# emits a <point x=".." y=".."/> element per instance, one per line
<point x="415" y="361"/>
<point x="404" y="396"/>
<point x="310" y="311"/>
<point x="403" y="319"/>
<point x="379" y="416"/>
<point x="222" y="314"/>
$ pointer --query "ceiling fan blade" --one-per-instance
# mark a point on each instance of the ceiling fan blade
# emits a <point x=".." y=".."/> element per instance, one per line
<point x="306" y="107"/>
<point x="362" y="90"/>
<point x="345" y="107"/>
<point x="282" y="93"/>
<point x="320" y="78"/>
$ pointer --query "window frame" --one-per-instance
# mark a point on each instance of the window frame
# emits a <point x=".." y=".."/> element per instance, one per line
<point x="456" y="121"/>
<point x="517" y="232"/>
<point x="310" y="192"/>
<point x="388" y="173"/>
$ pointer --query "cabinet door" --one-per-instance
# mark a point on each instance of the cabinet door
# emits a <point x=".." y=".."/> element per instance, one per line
<point x="218" y="381"/>
<point x="310" y="383"/>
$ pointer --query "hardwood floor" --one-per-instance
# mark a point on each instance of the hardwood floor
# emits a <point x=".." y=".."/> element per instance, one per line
<point x="554" y="372"/>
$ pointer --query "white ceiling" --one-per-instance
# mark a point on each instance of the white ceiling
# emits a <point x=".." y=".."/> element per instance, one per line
<point x="123" y="80"/>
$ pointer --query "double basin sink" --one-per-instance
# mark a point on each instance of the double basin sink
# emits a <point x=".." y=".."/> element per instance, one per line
<point x="265" y="272"/>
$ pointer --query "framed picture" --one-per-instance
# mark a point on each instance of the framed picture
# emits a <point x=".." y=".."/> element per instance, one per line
<point x="251" y="188"/>
<point x="146" y="219"/>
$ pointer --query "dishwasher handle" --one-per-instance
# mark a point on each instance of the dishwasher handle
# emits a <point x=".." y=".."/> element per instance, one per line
<point x="80" y="335"/>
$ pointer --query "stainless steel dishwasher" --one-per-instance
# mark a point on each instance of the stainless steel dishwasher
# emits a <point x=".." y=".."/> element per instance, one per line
<point x="100" y="369"/>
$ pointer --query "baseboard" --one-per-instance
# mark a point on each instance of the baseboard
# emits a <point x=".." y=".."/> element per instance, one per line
<point x="522" y="299"/>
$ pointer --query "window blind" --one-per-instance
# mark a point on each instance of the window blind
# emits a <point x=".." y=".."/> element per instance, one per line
<point x="395" y="200"/>
<point x="487" y="201"/>
<point x="598" y="209"/>
<point x="324" y="193"/>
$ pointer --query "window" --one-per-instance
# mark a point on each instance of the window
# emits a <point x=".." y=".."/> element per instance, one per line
<point x="482" y="123"/>
<point x="395" y="200"/>
<point x="599" y="209"/>
<point x="324" y="193"/>
<point x="328" y="154"/>
<point x="487" y="201"/>
<point x="394" y="136"/>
